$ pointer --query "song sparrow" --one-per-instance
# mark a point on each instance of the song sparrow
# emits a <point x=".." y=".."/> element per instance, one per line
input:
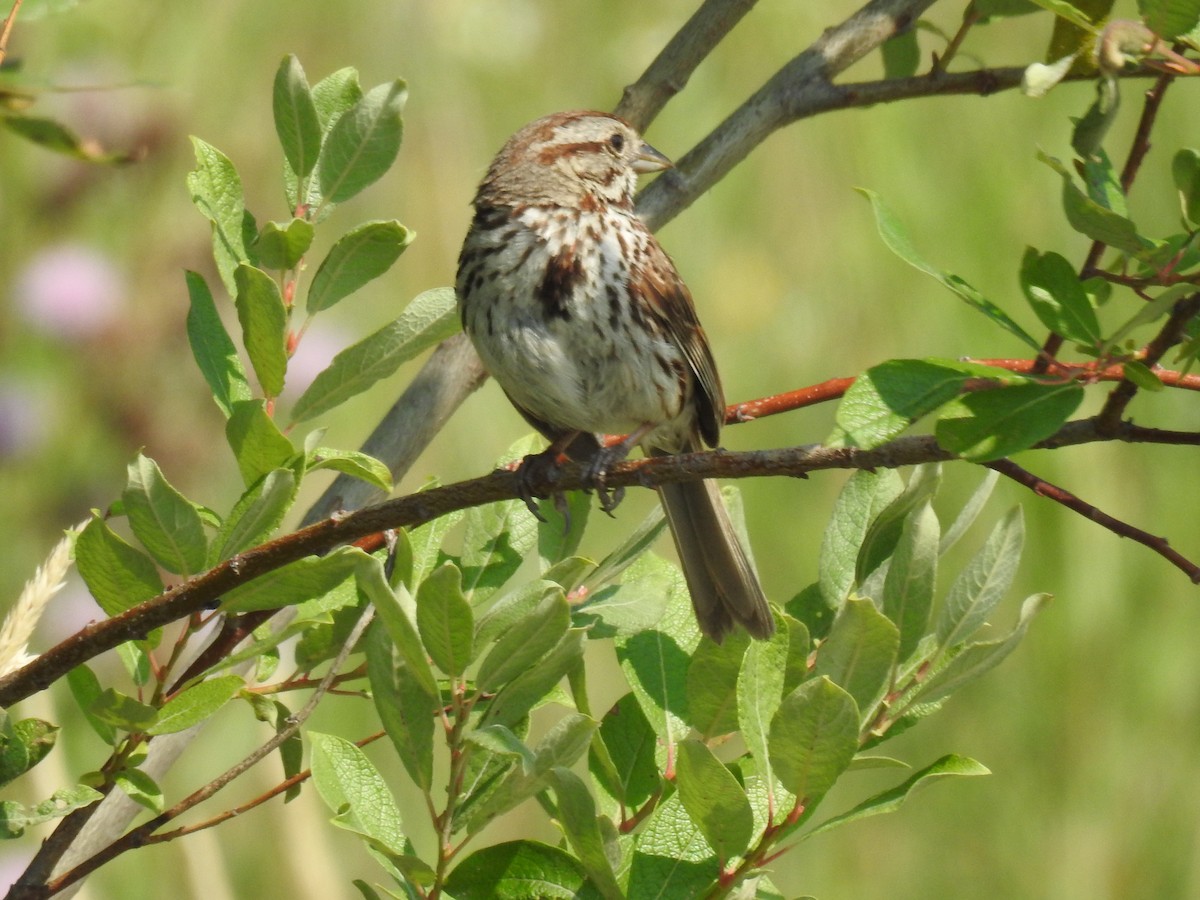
<point x="581" y="317"/>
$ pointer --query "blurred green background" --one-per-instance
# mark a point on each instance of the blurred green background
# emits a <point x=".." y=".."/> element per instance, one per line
<point x="1092" y="729"/>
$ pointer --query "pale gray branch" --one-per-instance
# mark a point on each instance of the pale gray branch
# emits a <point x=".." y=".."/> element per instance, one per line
<point x="671" y="69"/>
<point x="802" y="87"/>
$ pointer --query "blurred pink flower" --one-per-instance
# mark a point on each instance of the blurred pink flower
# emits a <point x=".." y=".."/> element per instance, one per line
<point x="316" y="350"/>
<point x="70" y="291"/>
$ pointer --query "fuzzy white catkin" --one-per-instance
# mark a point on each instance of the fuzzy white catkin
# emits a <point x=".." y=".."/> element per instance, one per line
<point x="18" y="625"/>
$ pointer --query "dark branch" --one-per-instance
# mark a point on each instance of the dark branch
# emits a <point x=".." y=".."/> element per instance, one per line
<point x="1044" y="488"/>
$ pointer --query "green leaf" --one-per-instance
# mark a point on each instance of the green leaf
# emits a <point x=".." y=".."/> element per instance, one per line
<point x="523" y="644"/>
<point x="363" y="143"/>
<point x="714" y="799"/>
<point x="1057" y="296"/>
<point x="889" y="397"/>
<point x="429" y="319"/>
<point x="216" y="356"/>
<point x="524" y="692"/>
<point x="760" y="691"/>
<point x="296" y="120"/>
<point x="358" y="257"/>
<point x="558" y="538"/>
<point x="976" y="659"/>
<point x="258" y="444"/>
<point x="165" y="521"/>
<point x="217" y="192"/>
<point x="23" y="745"/>
<point x="1103" y="184"/>
<point x="282" y="246"/>
<point x="647" y="587"/>
<point x="497" y="539"/>
<point x="85" y="688"/>
<point x="1185" y="170"/>
<point x="263" y="318"/>
<point x="908" y="585"/>
<point x="256" y="514"/>
<point x="632" y="549"/>
<point x="563" y="744"/>
<point x="901" y="55"/>
<point x="445" y="621"/>
<point x="1169" y="18"/>
<point x="1091" y="219"/>
<point x="892" y="799"/>
<point x="629" y="773"/>
<point x="585" y="831"/>
<point x="331" y="96"/>
<point x="510" y="607"/>
<point x="983" y="583"/>
<point x="397" y="610"/>
<point x="195" y="704"/>
<point x="655" y="662"/>
<point x="898" y="242"/>
<point x="859" y="653"/>
<point x="118" y="576"/>
<point x="864" y="495"/>
<point x="353" y="788"/>
<point x="15" y="818"/>
<point x="970" y="511"/>
<point x="1141" y="375"/>
<point x="883" y="534"/>
<point x="405" y="706"/>
<point x="671" y="858"/>
<point x="426" y="542"/>
<point x="1065" y="10"/>
<point x="814" y="736"/>
<point x="52" y="135"/>
<point x="122" y="711"/>
<point x="992" y="424"/>
<point x="353" y="463"/>
<point x="1149" y="312"/>
<point x="712" y="684"/>
<point x="304" y="579"/>
<point x="1092" y="128"/>
<point x="520" y="870"/>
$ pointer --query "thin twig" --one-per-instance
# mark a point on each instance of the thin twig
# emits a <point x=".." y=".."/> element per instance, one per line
<point x="283" y="786"/>
<point x="1141" y="138"/>
<point x="1059" y="495"/>
<point x="6" y="29"/>
<point x="1168" y="336"/>
<point x="137" y="836"/>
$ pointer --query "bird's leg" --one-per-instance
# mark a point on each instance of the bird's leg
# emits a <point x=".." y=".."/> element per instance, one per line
<point x="607" y="457"/>
<point x="543" y="467"/>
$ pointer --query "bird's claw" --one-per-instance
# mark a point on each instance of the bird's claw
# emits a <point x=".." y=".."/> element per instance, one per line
<point x="595" y="474"/>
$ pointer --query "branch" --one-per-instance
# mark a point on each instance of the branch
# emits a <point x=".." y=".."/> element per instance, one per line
<point x="205" y="591"/>
<point x="671" y="69"/>
<point x="1062" y="496"/>
<point x="136" y="837"/>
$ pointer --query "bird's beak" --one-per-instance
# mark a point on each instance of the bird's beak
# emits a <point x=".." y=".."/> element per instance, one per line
<point x="650" y="160"/>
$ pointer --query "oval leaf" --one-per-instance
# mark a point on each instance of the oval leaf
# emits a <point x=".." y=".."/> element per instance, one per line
<point x="814" y="736"/>
<point x="357" y="258"/>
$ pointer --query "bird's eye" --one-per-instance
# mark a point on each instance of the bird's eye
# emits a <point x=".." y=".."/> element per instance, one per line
<point x="617" y="141"/>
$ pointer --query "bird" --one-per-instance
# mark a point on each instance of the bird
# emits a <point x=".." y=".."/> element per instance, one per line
<point x="582" y="318"/>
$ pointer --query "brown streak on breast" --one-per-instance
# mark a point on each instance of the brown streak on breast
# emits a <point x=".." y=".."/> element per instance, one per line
<point x="564" y="272"/>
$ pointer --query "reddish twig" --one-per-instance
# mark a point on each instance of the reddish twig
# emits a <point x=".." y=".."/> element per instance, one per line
<point x="282" y="787"/>
<point x="24" y="890"/>
<point x="1168" y="336"/>
<point x="1059" y="495"/>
